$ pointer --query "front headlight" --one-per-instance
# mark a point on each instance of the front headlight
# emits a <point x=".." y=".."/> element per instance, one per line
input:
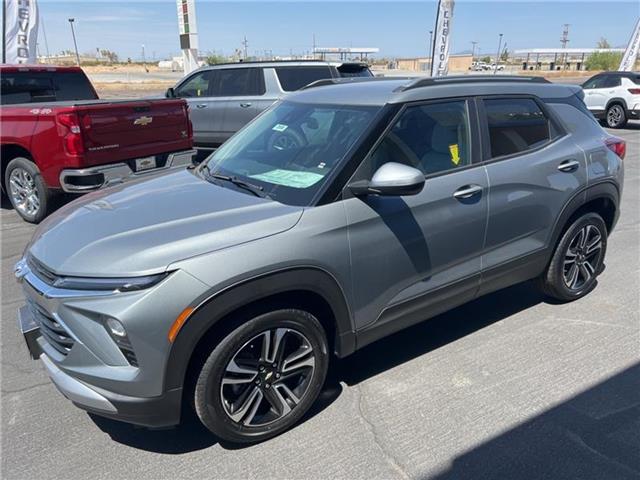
<point x="125" y="284"/>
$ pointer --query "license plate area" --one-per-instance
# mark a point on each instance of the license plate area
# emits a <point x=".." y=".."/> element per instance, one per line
<point x="146" y="163"/>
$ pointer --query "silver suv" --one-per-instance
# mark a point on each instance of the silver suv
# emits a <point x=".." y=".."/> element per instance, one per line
<point x="339" y="216"/>
<point x="224" y="98"/>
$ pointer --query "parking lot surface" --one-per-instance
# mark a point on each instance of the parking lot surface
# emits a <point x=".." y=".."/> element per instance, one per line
<point x="507" y="387"/>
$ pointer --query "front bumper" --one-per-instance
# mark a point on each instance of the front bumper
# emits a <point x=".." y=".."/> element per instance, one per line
<point x="88" y="179"/>
<point x="155" y="412"/>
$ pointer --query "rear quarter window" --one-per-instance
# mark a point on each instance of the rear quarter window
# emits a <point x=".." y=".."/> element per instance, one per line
<point x="351" y="71"/>
<point x="294" y="78"/>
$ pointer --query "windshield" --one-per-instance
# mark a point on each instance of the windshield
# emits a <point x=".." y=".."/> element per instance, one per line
<point x="289" y="151"/>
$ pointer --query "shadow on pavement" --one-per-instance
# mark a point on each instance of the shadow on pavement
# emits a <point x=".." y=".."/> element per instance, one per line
<point x="592" y="436"/>
<point x="432" y="334"/>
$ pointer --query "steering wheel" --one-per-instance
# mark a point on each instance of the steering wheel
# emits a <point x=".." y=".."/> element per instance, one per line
<point x="286" y="140"/>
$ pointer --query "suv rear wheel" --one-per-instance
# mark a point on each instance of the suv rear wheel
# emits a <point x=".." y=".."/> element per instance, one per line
<point x="263" y="376"/>
<point x="616" y="116"/>
<point x="26" y="189"/>
<point x="577" y="260"/>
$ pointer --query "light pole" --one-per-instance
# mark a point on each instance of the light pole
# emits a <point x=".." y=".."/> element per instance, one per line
<point x="75" y="44"/>
<point x="498" y="54"/>
<point x="473" y="53"/>
<point x="430" y="51"/>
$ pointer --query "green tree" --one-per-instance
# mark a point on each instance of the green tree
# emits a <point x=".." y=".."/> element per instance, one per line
<point x="215" y="59"/>
<point x="486" y="59"/>
<point x="603" y="60"/>
<point x="505" y="55"/>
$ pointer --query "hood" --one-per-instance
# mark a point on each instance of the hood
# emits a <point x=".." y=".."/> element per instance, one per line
<point x="142" y="227"/>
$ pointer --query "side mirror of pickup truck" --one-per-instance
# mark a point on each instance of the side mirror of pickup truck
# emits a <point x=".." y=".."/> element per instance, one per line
<point x="170" y="93"/>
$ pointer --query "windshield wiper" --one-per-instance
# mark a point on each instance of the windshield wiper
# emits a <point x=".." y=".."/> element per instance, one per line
<point x="257" y="190"/>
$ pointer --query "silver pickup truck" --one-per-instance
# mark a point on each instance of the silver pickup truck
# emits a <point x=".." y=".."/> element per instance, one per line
<point x="225" y="97"/>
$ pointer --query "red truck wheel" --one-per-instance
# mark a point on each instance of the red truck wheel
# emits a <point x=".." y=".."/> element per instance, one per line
<point x="26" y="190"/>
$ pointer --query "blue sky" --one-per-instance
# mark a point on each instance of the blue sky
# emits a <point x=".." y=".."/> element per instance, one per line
<point x="398" y="28"/>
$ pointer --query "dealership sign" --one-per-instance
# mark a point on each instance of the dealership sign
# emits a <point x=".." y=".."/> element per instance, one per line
<point x="440" y="53"/>
<point x="21" y="31"/>
<point x="188" y="34"/>
<point x="631" y="54"/>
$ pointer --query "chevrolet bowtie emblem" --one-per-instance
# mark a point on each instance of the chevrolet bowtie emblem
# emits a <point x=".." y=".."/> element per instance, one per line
<point x="143" y="121"/>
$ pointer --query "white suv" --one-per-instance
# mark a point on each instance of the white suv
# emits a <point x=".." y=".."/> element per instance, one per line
<point x="613" y="97"/>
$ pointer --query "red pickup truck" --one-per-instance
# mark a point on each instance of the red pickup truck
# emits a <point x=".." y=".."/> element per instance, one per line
<point x="56" y="135"/>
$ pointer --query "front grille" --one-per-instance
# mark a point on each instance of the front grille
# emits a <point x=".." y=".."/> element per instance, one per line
<point x="52" y="331"/>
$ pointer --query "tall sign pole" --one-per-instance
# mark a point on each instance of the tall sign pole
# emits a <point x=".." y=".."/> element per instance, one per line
<point x="631" y="54"/>
<point x="188" y="34"/>
<point x="440" y="54"/>
<point x="20" y="28"/>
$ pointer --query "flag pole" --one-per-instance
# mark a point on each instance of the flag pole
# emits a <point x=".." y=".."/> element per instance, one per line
<point x="4" y="31"/>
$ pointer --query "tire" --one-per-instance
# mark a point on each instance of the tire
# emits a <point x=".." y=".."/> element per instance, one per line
<point x="616" y="116"/>
<point x="233" y="411"/>
<point x="26" y="190"/>
<point x="577" y="260"/>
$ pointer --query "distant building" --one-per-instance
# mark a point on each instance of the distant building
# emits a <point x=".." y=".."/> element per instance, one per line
<point x="345" y="53"/>
<point x="457" y="63"/>
<point x="175" y="63"/>
<point x="556" y="58"/>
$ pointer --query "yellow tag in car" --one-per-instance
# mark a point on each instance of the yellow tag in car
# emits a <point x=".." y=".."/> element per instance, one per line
<point x="455" y="153"/>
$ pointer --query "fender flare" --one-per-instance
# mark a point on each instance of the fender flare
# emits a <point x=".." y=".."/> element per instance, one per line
<point x="619" y="100"/>
<point x="221" y="303"/>
<point x="603" y="189"/>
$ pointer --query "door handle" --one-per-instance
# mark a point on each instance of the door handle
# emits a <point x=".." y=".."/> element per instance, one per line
<point x="245" y="105"/>
<point x="201" y="105"/>
<point x="467" y="191"/>
<point x="569" y="166"/>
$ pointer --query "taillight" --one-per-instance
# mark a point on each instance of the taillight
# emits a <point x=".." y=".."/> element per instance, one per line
<point x="72" y="137"/>
<point x="617" y="146"/>
<point x="189" y="124"/>
<point x="634" y="91"/>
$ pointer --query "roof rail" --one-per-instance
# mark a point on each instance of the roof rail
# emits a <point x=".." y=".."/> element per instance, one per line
<point x="340" y="81"/>
<point x="431" y="81"/>
<point x="301" y="60"/>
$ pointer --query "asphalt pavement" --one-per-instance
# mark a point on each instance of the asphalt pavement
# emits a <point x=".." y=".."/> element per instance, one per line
<point x="506" y="387"/>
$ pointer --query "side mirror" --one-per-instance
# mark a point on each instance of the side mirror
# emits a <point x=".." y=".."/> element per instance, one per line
<point x="170" y="93"/>
<point x="391" y="179"/>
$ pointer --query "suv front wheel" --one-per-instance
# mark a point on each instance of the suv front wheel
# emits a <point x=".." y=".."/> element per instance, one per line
<point x="577" y="260"/>
<point x="263" y="376"/>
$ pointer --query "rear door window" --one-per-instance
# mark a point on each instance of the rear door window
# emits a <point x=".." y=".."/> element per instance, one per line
<point x="26" y="87"/>
<point x="611" y="81"/>
<point x="73" y="86"/>
<point x="239" y="82"/>
<point x="515" y="125"/>
<point x="294" y="78"/>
